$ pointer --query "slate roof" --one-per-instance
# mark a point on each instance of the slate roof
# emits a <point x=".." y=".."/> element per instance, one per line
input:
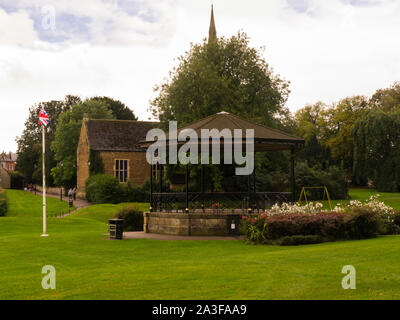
<point x="117" y="135"/>
<point x="8" y="157"/>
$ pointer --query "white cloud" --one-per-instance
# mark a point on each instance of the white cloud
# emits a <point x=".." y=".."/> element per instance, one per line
<point x="333" y="49"/>
<point x="16" y="28"/>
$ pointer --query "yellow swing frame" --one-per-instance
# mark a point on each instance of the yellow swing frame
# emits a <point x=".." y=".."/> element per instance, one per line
<point x="303" y="192"/>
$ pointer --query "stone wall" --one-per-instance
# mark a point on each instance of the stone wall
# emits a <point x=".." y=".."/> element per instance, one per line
<point x="51" y="190"/>
<point x="82" y="161"/>
<point x="139" y="169"/>
<point x="192" y="224"/>
<point x="5" y="180"/>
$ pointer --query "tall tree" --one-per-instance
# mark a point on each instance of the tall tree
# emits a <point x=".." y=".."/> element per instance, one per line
<point x="310" y="121"/>
<point x="119" y="110"/>
<point x="377" y="149"/>
<point x="29" y="143"/>
<point x="340" y="121"/>
<point x="221" y="75"/>
<point x="67" y="135"/>
<point x="387" y="99"/>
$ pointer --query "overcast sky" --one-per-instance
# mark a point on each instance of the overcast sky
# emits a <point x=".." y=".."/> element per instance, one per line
<point x="328" y="49"/>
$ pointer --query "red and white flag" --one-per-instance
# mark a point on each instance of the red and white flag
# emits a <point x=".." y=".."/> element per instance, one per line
<point x="43" y="118"/>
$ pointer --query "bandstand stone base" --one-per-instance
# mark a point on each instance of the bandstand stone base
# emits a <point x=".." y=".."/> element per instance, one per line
<point x="197" y="223"/>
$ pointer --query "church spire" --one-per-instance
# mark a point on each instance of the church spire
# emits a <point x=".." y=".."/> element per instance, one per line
<point x="212" y="34"/>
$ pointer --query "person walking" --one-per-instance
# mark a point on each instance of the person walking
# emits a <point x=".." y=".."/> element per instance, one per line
<point x="74" y="193"/>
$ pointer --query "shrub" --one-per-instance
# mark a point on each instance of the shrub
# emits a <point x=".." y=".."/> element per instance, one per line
<point x="328" y="225"/>
<point x="130" y="193"/>
<point x="372" y="205"/>
<point x="103" y="188"/>
<point x="362" y="223"/>
<point x="17" y="180"/>
<point x="299" y="240"/>
<point x="133" y="218"/>
<point x="3" y="203"/>
<point x="333" y="178"/>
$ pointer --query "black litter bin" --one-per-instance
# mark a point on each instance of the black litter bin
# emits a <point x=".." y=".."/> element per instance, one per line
<point x="116" y="228"/>
<point x="232" y="225"/>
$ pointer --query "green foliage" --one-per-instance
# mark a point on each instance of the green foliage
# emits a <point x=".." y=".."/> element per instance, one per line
<point x="327" y="131"/>
<point x="103" y="188"/>
<point x="3" y="203"/>
<point x="359" y="223"/>
<point x="133" y="218"/>
<point x="96" y="163"/>
<point x="17" y="180"/>
<point x="221" y="75"/>
<point x="299" y="240"/>
<point x="377" y="149"/>
<point x="66" y="139"/>
<point x="333" y="178"/>
<point x="30" y="142"/>
<point x="362" y="223"/>
<point x="393" y="226"/>
<point x="131" y="193"/>
<point x="387" y="99"/>
<point x="314" y="153"/>
<point x="119" y="110"/>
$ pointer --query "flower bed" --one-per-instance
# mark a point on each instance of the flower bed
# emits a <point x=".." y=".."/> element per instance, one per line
<point x="290" y="224"/>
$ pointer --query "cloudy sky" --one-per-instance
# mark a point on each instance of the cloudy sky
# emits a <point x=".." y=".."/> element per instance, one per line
<point x="328" y="49"/>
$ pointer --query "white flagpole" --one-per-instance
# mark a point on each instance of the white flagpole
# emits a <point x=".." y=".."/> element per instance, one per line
<point x="44" y="181"/>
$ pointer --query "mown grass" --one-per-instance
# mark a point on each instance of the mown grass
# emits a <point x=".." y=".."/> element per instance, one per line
<point x="89" y="266"/>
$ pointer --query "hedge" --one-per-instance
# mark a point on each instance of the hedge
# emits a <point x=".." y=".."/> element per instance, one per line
<point x="358" y="224"/>
<point x="17" y="180"/>
<point x="102" y="188"/>
<point x="133" y="218"/>
<point x="3" y="203"/>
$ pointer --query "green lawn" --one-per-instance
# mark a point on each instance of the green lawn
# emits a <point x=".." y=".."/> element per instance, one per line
<point x="91" y="267"/>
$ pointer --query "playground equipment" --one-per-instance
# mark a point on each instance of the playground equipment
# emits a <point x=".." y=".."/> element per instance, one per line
<point x="325" y="192"/>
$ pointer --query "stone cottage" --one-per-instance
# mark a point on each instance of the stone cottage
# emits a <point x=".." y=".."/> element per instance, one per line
<point x="5" y="181"/>
<point x="115" y="143"/>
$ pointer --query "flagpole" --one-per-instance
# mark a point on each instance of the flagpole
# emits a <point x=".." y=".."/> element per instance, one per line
<point x="44" y="180"/>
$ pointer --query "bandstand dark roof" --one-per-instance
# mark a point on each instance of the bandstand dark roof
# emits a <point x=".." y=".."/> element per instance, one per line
<point x="265" y="138"/>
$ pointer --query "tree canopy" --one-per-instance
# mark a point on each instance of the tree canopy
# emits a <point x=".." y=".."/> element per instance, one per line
<point x="30" y="142"/>
<point x="67" y="135"/>
<point x="221" y="75"/>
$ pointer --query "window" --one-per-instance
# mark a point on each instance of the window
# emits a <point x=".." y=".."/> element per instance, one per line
<point x="121" y="170"/>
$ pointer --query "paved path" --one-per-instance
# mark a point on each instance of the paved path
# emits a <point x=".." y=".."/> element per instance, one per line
<point x="153" y="236"/>
<point x="78" y="203"/>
